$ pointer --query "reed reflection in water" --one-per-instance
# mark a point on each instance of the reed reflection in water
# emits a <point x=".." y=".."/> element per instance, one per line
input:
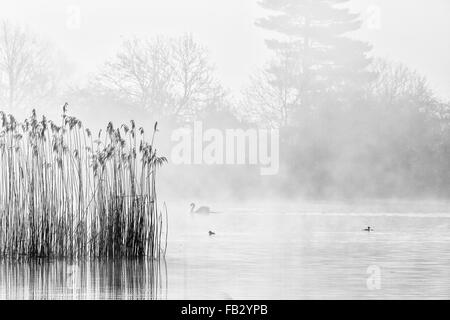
<point x="83" y="279"/>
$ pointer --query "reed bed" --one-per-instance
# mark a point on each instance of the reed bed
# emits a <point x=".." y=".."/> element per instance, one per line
<point x="67" y="193"/>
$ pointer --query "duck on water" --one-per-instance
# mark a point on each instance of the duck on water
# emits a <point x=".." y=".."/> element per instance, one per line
<point x="368" y="229"/>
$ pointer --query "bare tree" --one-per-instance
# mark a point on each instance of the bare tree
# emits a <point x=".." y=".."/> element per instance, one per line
<point x="28" y="73"/>
<point x="274" y="93"/>
<point x="194" y="83"/>
<point x="165" y="76"/>
<point x="140" y="74"/>
<point x="396" y="83"/>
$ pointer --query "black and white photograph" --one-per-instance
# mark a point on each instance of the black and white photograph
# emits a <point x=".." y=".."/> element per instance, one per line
<point x="223" y="150"/>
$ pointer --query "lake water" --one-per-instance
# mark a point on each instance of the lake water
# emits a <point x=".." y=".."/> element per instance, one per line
<point x="262" y="254"/>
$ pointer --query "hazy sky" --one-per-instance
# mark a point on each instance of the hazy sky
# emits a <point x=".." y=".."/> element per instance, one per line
<point x="416" y="32"/>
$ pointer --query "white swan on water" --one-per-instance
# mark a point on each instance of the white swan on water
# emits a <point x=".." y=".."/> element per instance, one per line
<point x="204" y="210"/>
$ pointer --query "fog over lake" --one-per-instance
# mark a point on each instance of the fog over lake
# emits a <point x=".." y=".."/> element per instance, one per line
<point x="258" y="149"/>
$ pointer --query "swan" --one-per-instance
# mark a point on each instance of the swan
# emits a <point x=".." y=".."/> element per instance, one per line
<point x="201" y="209"/>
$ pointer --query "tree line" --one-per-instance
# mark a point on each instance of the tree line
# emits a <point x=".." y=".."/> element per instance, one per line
<point x="351" y="124"/>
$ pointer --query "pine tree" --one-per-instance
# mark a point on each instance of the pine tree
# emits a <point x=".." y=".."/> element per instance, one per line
<point x="316" y="44"/>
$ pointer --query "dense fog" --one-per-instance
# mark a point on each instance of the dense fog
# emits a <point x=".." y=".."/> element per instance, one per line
<point x="351" y="124"/>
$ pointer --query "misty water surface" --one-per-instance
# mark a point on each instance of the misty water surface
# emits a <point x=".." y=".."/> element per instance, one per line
<point x="261" y="254"/>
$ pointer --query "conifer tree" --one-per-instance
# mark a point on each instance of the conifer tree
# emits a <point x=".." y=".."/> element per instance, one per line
<point x="315" y="44"/>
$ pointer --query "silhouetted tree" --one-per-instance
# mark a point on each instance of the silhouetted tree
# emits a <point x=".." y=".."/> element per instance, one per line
<point x="273" y="94"/>
<point x="29" y="70"/>
<point x="140" y="74"/>
<point x="314" y="57"/>
<point x="170" y="77"/>
<point x="396" y="84"/>
<point x="195" y="88"/>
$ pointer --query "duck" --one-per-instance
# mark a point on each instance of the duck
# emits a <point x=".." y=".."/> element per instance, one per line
<point x="204" y="210"/>
<point x="211" y="233"/>
<point x="368" y="229"/>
